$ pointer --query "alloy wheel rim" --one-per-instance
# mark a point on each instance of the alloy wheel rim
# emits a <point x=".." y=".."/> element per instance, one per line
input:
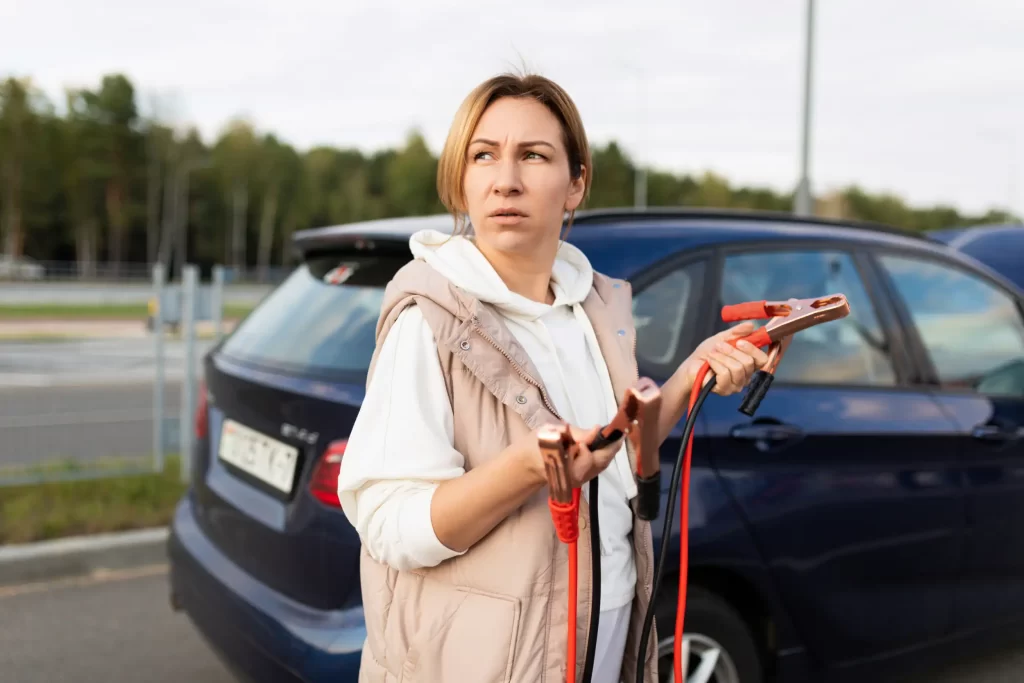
<point x="708" y="661"/>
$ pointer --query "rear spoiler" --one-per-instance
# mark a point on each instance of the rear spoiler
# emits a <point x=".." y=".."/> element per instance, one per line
<point x="311" y="243"/>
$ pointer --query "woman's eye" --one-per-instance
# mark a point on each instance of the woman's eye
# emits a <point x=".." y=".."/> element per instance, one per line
<point x="534" y="155"/>
<point x="481" y="155"/>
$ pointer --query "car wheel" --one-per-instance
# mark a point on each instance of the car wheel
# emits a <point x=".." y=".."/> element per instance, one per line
<point x="721" y="646"/>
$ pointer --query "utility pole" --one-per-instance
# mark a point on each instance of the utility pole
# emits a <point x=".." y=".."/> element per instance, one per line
<point x="639" y="156"/>
<point x="804" y="201"/>
<point x="640" y="177"/>
<point x="640" y="188"/>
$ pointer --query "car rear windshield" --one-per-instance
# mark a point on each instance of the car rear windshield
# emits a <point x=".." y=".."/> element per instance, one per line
<point x="321" y="320"/>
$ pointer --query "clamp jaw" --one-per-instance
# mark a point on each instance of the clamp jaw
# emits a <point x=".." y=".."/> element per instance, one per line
<point x="786" y="319"/>
<point x="558" y="448"/>
<point x="637" y="418"/>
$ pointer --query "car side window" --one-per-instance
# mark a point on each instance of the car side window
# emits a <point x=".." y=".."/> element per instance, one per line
<point x="851" y="351"/>
<point x="972" y="330"/>
<point x="661" y="311"/>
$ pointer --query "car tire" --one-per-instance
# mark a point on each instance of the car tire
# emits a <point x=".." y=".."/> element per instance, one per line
<point x="711" y="623"/>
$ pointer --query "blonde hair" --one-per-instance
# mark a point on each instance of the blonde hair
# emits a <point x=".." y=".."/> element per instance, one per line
<point x="451" y="166"/>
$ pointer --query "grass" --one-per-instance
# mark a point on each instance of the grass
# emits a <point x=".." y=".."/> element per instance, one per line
<point x="87" y="504"/>
<point x="35" y="337"/>
<point x="94" y="312"/>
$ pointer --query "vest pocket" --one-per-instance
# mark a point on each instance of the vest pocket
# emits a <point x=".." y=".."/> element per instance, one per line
<point x="476" y="643"/>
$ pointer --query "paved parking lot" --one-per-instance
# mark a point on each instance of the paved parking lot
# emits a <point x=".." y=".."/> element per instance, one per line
<point x="117" y="628"/>
<point x="120" y="627"/>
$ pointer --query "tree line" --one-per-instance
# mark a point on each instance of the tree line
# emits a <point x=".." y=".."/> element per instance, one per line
<point x="97" y="182"/>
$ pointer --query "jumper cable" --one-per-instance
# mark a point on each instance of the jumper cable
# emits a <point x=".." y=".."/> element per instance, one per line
<point x="786" y="318"/>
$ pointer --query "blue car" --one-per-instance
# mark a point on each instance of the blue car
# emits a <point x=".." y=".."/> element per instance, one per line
<point x="868" y="516"/>
<point x="1000" y="247"/>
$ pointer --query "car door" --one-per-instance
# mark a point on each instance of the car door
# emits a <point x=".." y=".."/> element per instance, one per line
<point x="846" y="474"/>
<point x="970" y="333"/>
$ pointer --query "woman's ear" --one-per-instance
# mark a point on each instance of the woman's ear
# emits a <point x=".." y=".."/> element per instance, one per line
<point x="577" y="186"/>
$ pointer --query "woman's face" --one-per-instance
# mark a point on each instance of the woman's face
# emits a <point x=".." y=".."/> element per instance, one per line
<point x="517" y="182"/>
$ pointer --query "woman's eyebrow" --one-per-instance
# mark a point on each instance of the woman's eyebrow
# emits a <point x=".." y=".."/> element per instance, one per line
<point x="528" y="143"/>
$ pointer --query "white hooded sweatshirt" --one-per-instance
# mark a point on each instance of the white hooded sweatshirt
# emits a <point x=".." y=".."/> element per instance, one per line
<point x="401" y="445"/>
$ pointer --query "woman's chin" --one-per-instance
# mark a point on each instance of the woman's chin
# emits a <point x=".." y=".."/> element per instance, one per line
<point x="518" y="237"/>
<point x="515" y="240"/>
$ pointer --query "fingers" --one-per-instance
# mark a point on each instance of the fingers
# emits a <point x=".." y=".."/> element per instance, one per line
<point x="588" y="464"/>
<point x="734" y="366"/>
<point x="721" y="365"/>
<point x="750" y="354"/>
<point x="741" y="330"/>
<point x="584" y="436"/>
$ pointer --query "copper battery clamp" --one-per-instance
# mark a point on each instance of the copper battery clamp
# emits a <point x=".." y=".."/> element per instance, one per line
<point x="645" y="400"/>
<point x="638" y="419"/>
<point x="786" y="319"/>
<point x="556" y="443"/>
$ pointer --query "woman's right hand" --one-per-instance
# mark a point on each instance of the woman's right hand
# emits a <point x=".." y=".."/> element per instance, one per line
<point x="585" y="466"/>
<point x="588" y="464"/>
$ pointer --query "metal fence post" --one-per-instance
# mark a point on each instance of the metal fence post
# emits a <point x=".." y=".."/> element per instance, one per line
<point x="159" y="281"/>
<point x="217" y="302"/>
<point x="189" y="278"/>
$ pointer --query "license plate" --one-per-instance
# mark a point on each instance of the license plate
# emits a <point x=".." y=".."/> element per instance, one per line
<point x="257" y="454"/>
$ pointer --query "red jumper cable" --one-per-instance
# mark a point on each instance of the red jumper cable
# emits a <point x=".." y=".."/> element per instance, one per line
<point x="786" y="319"/>
<point x="637" y="418"/>
<point x="557" y="448"/>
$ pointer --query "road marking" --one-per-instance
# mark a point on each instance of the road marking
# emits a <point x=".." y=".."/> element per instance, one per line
<point x="99" y="576"/>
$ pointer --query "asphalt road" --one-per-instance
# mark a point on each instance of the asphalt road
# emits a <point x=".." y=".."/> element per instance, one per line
<point x="95" y="361"/>
<point x="85" y="399"/>
<point x="121" y="628"/>
<point x="83" y="423"/>
<point x="118" y="628"/>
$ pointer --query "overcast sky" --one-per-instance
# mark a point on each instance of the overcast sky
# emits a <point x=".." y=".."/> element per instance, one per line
<point x="923" y="98"/>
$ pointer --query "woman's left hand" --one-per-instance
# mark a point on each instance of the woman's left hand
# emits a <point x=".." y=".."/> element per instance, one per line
<point x="733" y="365"/>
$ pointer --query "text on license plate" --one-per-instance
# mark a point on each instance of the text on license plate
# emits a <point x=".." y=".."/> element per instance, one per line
<point x="256" y="454"/>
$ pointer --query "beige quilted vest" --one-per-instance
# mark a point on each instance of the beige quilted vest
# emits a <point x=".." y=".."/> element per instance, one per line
<point x="496" y="614"/>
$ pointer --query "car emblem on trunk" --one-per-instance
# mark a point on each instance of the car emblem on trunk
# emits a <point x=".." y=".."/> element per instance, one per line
<point x="291" y="431"/>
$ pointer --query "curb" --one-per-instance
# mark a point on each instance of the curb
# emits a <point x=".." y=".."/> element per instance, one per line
<point x="81" y="555"/>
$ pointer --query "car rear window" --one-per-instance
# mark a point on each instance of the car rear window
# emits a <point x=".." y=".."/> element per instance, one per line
<point x="321" y="320"/>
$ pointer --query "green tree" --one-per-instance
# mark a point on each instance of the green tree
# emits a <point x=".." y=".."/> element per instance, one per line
<point x="235" y="157"/>
<point x="612" y="178"/>
<point x="411" y="188"/>
<point x="112" y="108"/>
<point x="99" y="181"/>
<point x="19" y="133"/>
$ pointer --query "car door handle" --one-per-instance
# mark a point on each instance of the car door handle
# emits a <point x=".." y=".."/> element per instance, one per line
<point x="765" y="432"/>
<point x="995" y="433"/>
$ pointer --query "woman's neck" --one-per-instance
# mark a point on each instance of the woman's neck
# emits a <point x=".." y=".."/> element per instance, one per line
<point x="529" y="277"/>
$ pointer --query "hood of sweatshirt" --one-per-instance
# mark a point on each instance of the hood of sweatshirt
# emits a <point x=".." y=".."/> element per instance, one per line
<point x="458" y="259"/>
<point x="461" y="263"/>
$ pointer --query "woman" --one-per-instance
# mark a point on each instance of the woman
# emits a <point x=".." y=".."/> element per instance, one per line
<point x="482" y="339"/>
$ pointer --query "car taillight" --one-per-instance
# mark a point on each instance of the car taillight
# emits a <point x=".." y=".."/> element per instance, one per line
<point x="324" y="482"/>
<point x="202" y="418"/>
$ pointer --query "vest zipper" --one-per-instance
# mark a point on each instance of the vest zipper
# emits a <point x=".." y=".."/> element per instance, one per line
<point x="547" y="402"/>
<point x="522" y="373"/>
<point x="636" y="364"/>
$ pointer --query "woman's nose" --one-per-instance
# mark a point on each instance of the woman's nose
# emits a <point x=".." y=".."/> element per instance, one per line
<point x="508" y="180"/>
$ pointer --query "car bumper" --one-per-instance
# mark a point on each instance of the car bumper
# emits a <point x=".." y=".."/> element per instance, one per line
<point x="259" y="633"/>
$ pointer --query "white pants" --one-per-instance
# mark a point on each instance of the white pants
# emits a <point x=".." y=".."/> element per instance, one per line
<point x="611" y="644"/>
